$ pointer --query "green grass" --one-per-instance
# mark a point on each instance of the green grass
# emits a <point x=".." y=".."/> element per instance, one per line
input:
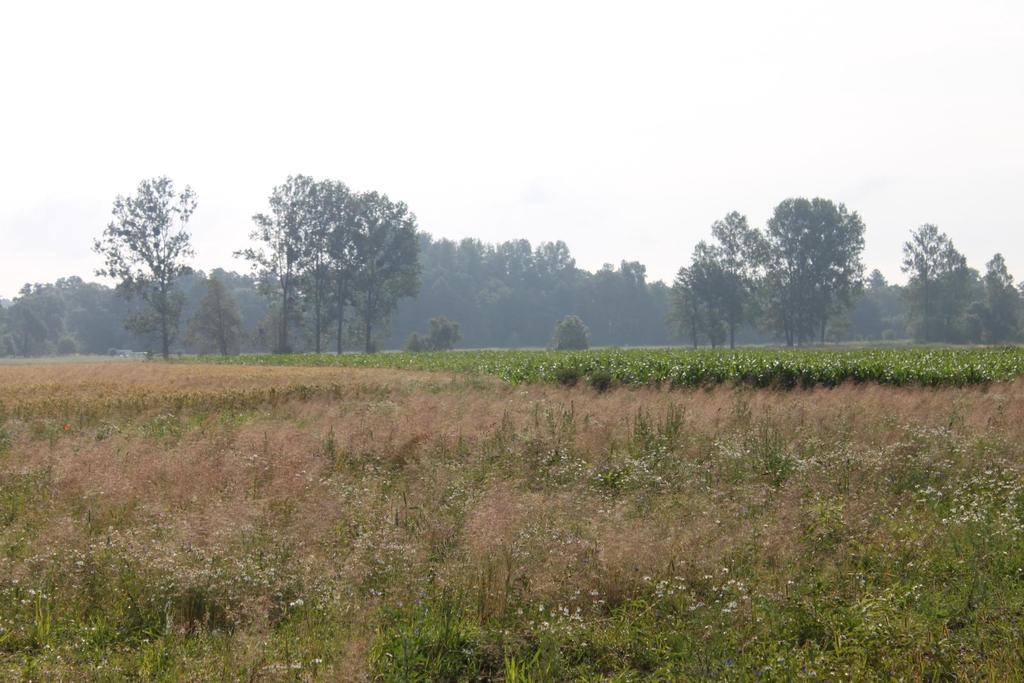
<point x="691" y="368"/>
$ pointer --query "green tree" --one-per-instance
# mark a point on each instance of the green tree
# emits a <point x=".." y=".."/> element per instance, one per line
<point x="217" y="323"/>
<point x="686" y="315"/>
<point x="278" y="258"/>
<point x="324" y="235"/>
<point x="571" y="334"/>
<point x="939" y="286"/>
<point x="66" y="346"/>
<point x="1002" y="303"/>
<point x="341" y="211"/>
<point x="416" y="344"/>
<point x="444" y="334"/>
<point x="737" y="254"/>
<point x="880" y="313"/>
<point x="144" y="248"/>
<point x="710" y="286"/>
<point x="35" y="319"/>
<point x="6" y="340"/>
<point x="386" y="256"/>
<point x="813" y="267"/>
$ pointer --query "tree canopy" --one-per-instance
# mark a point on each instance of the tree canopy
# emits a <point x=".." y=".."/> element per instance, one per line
<point x="144" y="249"/>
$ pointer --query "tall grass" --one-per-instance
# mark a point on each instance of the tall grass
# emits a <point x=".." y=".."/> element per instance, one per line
<point x="403" y="529"/>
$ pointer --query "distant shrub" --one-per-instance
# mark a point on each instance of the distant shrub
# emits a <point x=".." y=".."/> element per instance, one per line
<point x="416" y="343"/>
<point x="571" y="334"/>
<point x="444" y="334"/>
<point x="66" y="346"/>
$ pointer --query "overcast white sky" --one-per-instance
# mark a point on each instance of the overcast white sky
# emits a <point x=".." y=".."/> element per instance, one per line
<point x="624" y="128"/>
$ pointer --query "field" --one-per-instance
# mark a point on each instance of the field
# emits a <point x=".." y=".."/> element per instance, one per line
<point x="300" y="520"/>
<point x="685" y="368"/>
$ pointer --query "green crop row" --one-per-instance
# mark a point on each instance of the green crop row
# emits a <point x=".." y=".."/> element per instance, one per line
<point x="688" y="368"/>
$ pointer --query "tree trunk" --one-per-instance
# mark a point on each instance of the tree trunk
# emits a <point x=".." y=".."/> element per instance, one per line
<point x="368" y="322"/>
<point x="732" y="335"/>
<point x="316" y="324"/>
<point x="341" y="311"/>
<point x="284" y="316"/>
<point x="165" y="342"/>
<point x="318" y="287"/>
<point x="927" y="314"/>
<point x="222" y="342"/>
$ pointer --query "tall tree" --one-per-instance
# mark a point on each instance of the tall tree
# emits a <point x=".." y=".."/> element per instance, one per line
<point x="737" y="255"/>
<point x="7" y="347"/>
<point x="708" y="287"/>
<point x="686" y="313"/>
<point x="144" y="249"/>
<point x="1002" y="303"/>
<point x="36" y="319"/>
<point x="217" y="322"/>
<point x="880" y="313"/>
<point x="341" y="212"/>
<point x="388" y="268"/>
<point x="813" y="265"/>
<point x="280" y="235"/>
<point x="325" y="217"/>
<point x="938" y="280"/>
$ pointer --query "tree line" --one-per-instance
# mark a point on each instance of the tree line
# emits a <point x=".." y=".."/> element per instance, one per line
<point x="513" y="293"/>
<point x="332" y="268"/>
<point x="800" y="280"/>
<point x="334" y="250"/>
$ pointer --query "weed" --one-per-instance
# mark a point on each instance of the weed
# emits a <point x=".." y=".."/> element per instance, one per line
<point x="429" y="641"/>
<point x="768" y="452"/>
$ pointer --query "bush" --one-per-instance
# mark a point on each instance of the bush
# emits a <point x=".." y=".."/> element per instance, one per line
<point x="600" y="379"/>
<point x="567" y="375"/>
<point x="67" y="346"/>
<point x="416" y="343"/>
<point x="571" y="334"/>
<point x="444" y="334"/>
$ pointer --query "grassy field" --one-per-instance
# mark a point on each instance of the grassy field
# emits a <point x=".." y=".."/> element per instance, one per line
<point x="236" y="522"/>
<point x="779" y="368"/>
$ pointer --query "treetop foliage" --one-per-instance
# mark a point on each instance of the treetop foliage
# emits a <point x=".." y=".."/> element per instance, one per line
<point x="144" y="248"/>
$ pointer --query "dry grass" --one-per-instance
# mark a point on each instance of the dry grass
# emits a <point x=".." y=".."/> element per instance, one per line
<point x="308" y="521"/>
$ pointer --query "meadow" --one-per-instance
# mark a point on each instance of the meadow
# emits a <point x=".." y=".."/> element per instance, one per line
<point x="480" y="517"/>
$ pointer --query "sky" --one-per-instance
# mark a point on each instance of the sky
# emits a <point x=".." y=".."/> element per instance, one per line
<point x="625" y="129"/>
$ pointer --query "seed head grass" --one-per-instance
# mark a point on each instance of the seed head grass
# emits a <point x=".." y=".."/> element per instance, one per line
<point x="195" y="522"/>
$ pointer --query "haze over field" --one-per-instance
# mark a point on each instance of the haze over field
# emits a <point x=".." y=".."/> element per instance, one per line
<point x="476" y="341"/>
<point x="624" y="131"/>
